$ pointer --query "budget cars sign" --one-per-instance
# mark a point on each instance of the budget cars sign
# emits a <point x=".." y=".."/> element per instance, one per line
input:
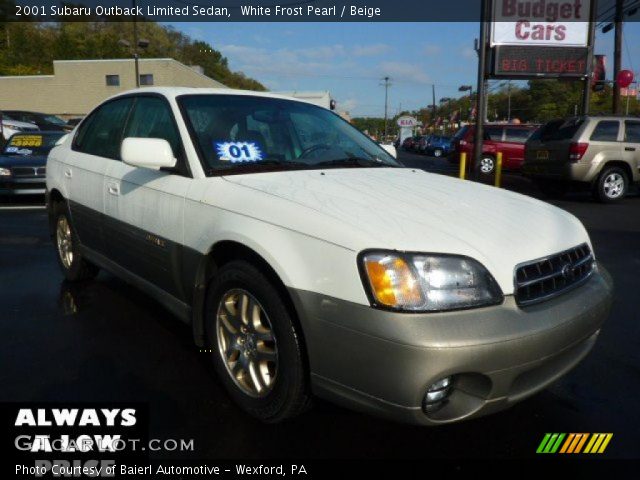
<point x="555" y="23"/>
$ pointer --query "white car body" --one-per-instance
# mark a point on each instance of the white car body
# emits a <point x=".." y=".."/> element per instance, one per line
<point x="310" y="227"/>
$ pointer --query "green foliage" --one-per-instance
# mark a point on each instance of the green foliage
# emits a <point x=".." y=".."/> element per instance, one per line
<point x="30" y="48"/>
<point x="538" y="102"/>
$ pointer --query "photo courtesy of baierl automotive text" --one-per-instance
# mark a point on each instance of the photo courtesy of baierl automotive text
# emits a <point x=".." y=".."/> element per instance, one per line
<point x="303" y="238"/>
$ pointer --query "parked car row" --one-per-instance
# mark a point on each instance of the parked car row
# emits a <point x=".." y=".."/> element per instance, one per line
<point x="23" y="162"/>
<point x="15" y="121"/>
<point x="435" y="145"/>
<point x="600" y="153"/>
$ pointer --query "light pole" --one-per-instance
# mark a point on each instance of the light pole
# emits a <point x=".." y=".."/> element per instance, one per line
<point x="139" y="43"/>
<point x="386" y="86"/>
<point x="467" y="88"/>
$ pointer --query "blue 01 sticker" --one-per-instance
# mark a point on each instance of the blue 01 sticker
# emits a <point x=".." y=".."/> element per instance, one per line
<point x="237" y="152"/>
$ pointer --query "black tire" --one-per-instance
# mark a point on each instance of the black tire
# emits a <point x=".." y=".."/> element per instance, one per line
<point x="487" y="165"/>
<point x="553" y="188"/>
<point x="438" y="152"/>
<point x="288" y="395"/>
<point x="604" y="191"/>
<point x="78" y="268"/>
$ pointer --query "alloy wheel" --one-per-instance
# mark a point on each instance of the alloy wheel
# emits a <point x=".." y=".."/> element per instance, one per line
<point x="486" y="165"/>
<point x="64" y="241"/>
<point x="246" y="343"/>
<point x="613" y="185"/>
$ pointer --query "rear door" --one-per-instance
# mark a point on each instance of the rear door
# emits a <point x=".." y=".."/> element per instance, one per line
<point x="95" y="147"/>
<point x="631" y="146"/>
<point x="547" y="150"/>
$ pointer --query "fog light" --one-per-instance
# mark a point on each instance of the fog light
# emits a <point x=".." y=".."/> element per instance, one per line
<point x="437" y="394"/>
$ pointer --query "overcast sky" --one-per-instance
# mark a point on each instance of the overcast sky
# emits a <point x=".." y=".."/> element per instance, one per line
<point x="350" y="59"/>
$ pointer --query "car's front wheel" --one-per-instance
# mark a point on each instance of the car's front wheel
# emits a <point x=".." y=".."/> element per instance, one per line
<point x="611" y="185"/>
<point x="437" y="152"/>
<point x="72" y="263"/>
<point x="255" y="343"/>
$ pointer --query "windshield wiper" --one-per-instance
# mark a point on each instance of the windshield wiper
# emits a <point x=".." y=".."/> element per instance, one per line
<point x="353" y="162"/>
<point x="270" y="164"/>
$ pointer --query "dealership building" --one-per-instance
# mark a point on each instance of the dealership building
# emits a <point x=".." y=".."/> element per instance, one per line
<point x="77" y="86"/>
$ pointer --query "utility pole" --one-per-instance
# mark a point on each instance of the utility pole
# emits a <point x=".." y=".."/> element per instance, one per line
<point x="481" y="89"/>
<point x="433" y="104"/>
<point x="586" y="91"/>
<point x="135" y="45"/>
<point x="617" y="55"/>
<point x="509" y="101"/>
<point x="386" y="85"/>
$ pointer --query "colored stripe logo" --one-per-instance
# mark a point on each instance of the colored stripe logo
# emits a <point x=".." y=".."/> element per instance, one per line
<point x="574" y="443"/>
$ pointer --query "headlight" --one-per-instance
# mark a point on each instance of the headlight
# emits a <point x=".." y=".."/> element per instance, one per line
<point x="416" y="282"/>
<point x="5" y="172"/>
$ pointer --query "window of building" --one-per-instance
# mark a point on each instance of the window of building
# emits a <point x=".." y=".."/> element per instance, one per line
<point x="146" y="79"/>
<point x="112" y="80"/>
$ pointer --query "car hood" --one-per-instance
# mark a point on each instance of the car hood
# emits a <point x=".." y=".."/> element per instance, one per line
<point x="23" y="161"/>
<point x="411" y="210"/>
<point x="7" y="122"/>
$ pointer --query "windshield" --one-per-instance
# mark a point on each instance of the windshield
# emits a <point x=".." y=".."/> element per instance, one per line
<point x="53" y="119"/>
<point x="29" y="144"/>
<point x="236" y="134"/>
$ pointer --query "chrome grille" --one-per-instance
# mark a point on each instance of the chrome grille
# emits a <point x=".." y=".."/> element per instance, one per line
<point x="28" y="171"/>
<point x="548" y="277"/>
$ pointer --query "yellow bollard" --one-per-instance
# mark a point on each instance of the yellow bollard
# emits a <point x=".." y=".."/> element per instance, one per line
<point x="498" y="180"/>
<point x="463" y="165"/>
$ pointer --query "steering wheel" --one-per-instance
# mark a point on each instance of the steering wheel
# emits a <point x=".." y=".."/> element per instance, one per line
<point x="314" y="148"/>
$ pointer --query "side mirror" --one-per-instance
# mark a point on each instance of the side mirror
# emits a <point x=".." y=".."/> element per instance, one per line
<point x="390" y="149"/>
<point x="151" y="153"/>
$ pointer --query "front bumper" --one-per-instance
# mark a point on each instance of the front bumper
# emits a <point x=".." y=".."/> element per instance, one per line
<point x="383" y="362"/>
<point x="22" y="186"/>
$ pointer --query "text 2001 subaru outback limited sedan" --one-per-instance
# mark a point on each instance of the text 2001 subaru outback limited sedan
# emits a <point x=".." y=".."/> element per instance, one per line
<point x="310" y="262"/>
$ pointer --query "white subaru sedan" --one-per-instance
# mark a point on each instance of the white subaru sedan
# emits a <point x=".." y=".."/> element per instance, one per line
<point x="309" y="262"/>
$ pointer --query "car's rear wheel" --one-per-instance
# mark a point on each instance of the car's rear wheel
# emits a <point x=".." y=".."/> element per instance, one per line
<point x="611" y="186"/>
<point x="72" y="263"/>
<point x="437" y="152"/>
<point x="487" y="165"/>
<point x="255" y="343"/>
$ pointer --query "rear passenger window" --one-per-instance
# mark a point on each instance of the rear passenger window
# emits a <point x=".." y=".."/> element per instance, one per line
<point x="152" y="118"/>
<point x="493" y="133"/>
<point x="517" y="135"/>
<point x="606" y="131"/>
<point x="101" y="133"/>
<point x="632" y="132"/>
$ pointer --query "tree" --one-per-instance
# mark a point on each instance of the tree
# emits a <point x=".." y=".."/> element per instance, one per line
<point x="30" y="47"/>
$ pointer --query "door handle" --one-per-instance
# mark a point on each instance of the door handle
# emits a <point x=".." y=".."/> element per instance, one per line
<point x="113" y="189"/>
<point x="629" y="149"/>
<point x="68" y="173"/>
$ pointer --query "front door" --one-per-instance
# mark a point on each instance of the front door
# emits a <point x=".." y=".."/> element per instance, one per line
<point x="144" y="207"/>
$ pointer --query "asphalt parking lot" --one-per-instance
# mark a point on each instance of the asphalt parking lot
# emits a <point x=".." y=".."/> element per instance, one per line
<point x="106" y="341"/>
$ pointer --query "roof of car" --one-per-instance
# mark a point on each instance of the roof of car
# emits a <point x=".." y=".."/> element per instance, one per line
<point x="173" y="92"/>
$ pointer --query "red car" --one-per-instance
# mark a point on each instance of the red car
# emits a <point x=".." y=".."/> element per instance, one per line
<point x="506" y="138"/>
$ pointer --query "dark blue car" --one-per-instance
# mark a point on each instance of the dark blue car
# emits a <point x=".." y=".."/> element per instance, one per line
<point x="438" y="146"/>
<point x="23" y="162"/>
